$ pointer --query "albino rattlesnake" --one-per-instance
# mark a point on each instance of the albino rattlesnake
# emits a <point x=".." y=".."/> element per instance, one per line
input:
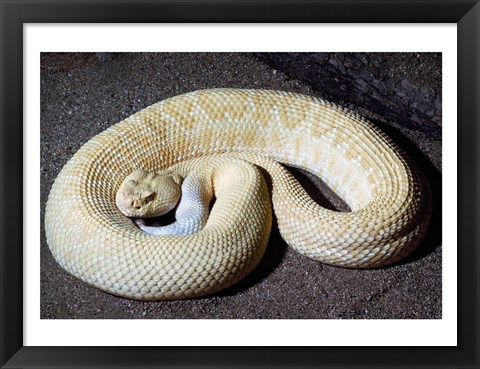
<point x="91" y="239"/>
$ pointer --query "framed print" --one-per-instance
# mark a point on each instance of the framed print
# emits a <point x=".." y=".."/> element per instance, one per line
<point x="78" y="287"/>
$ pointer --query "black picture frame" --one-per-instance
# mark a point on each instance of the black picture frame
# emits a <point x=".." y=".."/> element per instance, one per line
<point x="465" y="13"/>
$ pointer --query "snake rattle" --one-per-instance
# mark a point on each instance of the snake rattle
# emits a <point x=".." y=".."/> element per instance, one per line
<point x="185" y="151"/>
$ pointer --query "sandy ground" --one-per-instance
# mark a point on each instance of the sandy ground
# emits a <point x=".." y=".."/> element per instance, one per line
<point x="81" y="97"/>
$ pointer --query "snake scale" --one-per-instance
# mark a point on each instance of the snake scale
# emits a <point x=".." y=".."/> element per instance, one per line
<point x="240" y="141"/>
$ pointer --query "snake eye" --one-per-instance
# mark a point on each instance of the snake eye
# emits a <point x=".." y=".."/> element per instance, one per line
<point x="150" y="197"/>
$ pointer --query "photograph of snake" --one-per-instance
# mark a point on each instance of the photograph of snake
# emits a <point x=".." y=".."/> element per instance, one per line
<point x="249" y="161"/>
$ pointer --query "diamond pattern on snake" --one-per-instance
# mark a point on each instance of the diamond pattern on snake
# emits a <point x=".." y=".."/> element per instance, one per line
<point x="183" y="152"/>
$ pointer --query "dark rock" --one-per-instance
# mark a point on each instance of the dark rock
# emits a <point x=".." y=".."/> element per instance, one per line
<point x="404" y="88"/>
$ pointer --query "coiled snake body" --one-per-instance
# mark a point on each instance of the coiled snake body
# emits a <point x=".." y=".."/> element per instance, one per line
<point x="229" y="134"/>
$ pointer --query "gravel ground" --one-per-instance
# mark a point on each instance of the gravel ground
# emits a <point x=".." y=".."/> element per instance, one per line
<point x="81" y="95"/>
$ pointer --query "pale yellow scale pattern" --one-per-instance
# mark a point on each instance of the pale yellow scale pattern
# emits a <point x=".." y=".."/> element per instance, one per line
<point x="91" y="239"/>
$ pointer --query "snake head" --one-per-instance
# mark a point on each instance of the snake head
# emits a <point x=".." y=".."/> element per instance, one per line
<point x="145" y="194"/>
